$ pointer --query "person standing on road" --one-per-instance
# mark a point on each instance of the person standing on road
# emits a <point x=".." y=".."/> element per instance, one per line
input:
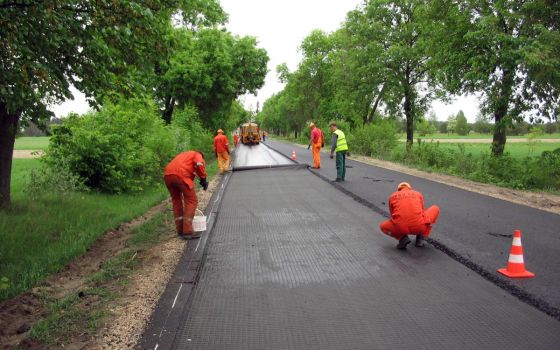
<point x="235" y="140"/>
<point x="316" y="142"/>
<point x="221" y="149"/>
<point x="179" y="177"/>
<point x="408" y="216"/>
<point x="338" y="144"/>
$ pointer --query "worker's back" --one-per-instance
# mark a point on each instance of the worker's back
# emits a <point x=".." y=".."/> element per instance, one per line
<point x="407" y="207"/>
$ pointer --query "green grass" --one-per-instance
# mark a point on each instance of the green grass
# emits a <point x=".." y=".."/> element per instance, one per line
<point x="474" y="136"/>
<point x="39" y="237"/>
<point x="32" y="143"/>
<point x="516" y="150"/>
<point x="68" y="317"/>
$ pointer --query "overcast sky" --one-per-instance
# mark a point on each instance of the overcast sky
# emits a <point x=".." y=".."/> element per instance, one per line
<point x="280" y="27"/>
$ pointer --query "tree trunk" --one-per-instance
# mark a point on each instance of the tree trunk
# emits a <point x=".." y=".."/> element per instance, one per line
<point x="168" y="111"/>
<point x="407" y="106"/>
<point x="500" y="114"/>
<point x="372" y="111"/>
<point x="8" y="130"/>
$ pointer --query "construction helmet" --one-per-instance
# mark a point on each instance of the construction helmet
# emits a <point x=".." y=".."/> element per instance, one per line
<point x="403" y="185"/>
<point x="311" y="125"/>
<point x="220" y="131"/>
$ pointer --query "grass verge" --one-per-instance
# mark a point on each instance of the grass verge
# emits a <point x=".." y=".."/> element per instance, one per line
<point x="39" y="237"/>
<point x="82" y="312"/>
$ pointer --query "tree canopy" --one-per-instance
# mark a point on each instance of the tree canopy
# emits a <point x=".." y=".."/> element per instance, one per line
<point x="170" y="48"/>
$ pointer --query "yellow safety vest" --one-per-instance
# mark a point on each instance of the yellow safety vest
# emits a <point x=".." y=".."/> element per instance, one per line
<point x="341" y="144"/>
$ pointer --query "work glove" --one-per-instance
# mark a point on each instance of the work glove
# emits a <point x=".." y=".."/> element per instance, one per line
<point x="309" y="146"/>
<point x="204" y="184"/>
<point x="331" y="156"/>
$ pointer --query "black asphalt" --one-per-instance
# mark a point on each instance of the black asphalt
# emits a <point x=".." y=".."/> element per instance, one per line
<point x="473" y="228"/>
<point x="292" y="263"/>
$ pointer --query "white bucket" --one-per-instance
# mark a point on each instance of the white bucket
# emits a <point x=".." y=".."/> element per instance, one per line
<point x="199" y="222"/>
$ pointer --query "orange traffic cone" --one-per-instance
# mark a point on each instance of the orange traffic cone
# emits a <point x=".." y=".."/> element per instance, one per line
<point x="294" y="155"/>
<point x="516" y="265"/>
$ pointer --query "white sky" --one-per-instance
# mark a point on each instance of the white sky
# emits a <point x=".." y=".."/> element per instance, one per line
<point x="280" y="27"/>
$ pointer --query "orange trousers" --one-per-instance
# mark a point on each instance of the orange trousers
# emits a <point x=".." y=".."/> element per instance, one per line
<point x="398" y="231"/>
<point x="316" y="155"/>
<point x="223" y="161"/>
<point x="184" y="203"/>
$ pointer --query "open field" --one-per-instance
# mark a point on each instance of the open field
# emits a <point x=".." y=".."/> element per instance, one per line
<point x="516" y="150"/>
<point x="476" y="136"/>
<point x="32" y="143"/>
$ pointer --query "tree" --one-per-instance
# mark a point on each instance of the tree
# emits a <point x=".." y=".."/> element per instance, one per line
<point x="461" y="124"/>
<point x="508" y="50"/>
<point x="452" y="124"/>
<point x="48" y="46"/>
<point x="209" y="69"/>
<point x="481" y="125"/>
<point x="398" y="28"/>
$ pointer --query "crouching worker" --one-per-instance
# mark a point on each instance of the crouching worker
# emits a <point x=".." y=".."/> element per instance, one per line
<point x="179" y="177"/>
<point x="408" y="216"/>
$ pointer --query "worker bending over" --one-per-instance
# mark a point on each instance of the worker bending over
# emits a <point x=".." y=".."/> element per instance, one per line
<point x="221" y="149"/>
<point x="408" y="216"/>
<point x="316" y="143"/>
<point x="179" y="177"/>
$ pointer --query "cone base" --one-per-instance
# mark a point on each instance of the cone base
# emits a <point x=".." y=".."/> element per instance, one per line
<point x="524" y="274"/>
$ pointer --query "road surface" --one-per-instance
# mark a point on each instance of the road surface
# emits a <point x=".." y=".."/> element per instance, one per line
<point x="294" y="263"/>
<point x="473" y="228"/>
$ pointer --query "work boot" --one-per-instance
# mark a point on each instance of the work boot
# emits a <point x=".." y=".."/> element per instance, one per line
<point x="419" y="241"/>
<point x="338" y="179"/>
<point x="403" y="242"/>
<point x="190" y="236"/>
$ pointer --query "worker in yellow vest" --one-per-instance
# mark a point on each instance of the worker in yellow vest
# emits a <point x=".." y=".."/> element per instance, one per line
<point x="338" y="144"/>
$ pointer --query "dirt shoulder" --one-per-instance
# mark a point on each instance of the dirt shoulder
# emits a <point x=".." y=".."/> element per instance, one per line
<point x="133" y="296"/>
<point x="538" y="200"/>
<point x="27" y="154"/>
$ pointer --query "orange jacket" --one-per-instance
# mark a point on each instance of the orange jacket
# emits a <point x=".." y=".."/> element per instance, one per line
<point x="235" y="138"/>
<point x="221" y="143"/>
<point x="185" y="165"/>
<point x="316" y="136"/>
<point x="407" y="208"/>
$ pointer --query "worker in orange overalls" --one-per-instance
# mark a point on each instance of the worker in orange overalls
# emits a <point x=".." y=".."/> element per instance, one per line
<point x="179" y="177"/>
<point x="221" y="149"/>
<point x="316" y="143"/>
<point x="408" y="216"/>
<point x="235" y="139"/>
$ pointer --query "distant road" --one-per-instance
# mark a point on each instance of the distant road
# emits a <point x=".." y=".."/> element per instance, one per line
<point x="488" y="140"/>
<point x="27" y="154"/>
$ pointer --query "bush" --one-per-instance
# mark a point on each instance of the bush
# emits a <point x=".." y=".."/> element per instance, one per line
<point x="121" y="148"/>
<point x="189" y="134"/>
<point x="57" y="178"/>
<point x="377" y="139"/>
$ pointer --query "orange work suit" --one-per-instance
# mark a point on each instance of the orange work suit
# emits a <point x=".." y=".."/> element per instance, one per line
<point x="235" y="140"/>
<point x="408" y="216"/>
<point x="179" y="177"/>
<point x="317" y="143"/>
<point x="221" y="148"/>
